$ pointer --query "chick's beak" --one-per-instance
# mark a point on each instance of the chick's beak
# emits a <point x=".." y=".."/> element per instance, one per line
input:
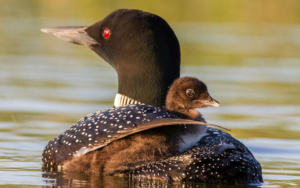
<point x="211" y="102"/>
<point x="202" y="103"/>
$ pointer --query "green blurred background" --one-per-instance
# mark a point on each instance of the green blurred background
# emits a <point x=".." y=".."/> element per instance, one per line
<point x="248" y="53"/>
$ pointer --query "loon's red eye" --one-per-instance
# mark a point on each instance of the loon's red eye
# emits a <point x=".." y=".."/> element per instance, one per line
<point x="106" y="33"/>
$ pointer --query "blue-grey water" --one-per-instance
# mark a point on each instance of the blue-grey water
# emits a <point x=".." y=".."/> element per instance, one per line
<point x="251" y="66"/>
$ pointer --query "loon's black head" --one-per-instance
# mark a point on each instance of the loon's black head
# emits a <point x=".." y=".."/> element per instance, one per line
<point x="141" y="47"/>
<point x="188" y="93"/>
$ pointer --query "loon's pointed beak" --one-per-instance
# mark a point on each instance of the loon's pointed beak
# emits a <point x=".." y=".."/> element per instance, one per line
<point x="73" y="34"/>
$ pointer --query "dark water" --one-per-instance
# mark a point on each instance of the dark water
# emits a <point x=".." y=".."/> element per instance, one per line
<point x="247" y="53"/>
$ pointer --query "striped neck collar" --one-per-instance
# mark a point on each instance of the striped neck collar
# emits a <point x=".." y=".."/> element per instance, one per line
<point x="123" y="100"/>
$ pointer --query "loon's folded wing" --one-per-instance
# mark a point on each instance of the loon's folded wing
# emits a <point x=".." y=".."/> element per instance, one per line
<point x="101" y="128"/>
<point x="216" y="158"/>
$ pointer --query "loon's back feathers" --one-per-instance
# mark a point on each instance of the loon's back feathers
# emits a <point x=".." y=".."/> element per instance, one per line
<point x="97" y="130"/>
<point x="217" y="158"/>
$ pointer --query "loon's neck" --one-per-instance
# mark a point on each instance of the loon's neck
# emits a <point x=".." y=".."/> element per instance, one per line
<point x="146" y="85"/>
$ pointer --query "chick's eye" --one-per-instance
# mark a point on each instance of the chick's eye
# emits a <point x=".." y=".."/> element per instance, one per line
<point x="190" y="92"/>
<point x="106" y="33"/>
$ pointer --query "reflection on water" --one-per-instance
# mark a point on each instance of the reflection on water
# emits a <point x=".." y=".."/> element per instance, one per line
<point x="250" y="64"/>
<point x="79" y="180"/>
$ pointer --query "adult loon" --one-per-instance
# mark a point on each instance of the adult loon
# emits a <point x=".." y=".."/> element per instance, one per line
<point x="145" y="52"/>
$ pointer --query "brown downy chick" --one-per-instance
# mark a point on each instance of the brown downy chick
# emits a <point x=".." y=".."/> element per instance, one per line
<point x="186" y="94"/>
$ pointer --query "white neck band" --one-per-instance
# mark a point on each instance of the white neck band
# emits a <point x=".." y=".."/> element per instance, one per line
<point x="122" y="100"/>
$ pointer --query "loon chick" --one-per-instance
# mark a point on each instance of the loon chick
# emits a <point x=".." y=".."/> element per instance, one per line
<point x="93" y="144"/>
<point x="186" y="94"/>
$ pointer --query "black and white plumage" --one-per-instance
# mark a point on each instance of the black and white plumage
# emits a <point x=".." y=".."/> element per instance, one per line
<point x="97" y="130"/>
<point x="216" y="158"/>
